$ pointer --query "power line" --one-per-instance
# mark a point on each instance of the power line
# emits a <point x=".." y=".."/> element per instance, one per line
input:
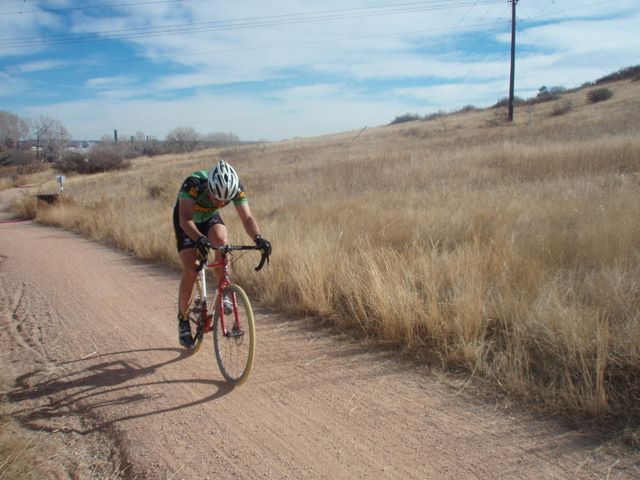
<point x="558" y="11"/>
<point x="247" y="23"/>
<point x="501" y="19"/>
<point x="251" y="22"/>
<point x="367" y="10"/>
<point x="446" y="39"/>
<point x="235" y="24"/>
<point x="567" y="10"/>
<point x="263" y="47"/>
<point x="275" y="46"/>
<point x="89" y="7"/>
<point x="150" y="2"/>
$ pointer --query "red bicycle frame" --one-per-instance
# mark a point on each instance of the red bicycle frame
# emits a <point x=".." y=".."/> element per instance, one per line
<point x="224" y="281"/>
<point x="234" y="345"/>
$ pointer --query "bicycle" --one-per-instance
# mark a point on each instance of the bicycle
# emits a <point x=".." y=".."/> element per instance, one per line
<point x="231" y="319"/>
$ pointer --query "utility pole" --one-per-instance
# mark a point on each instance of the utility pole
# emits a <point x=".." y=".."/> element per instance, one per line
<point x="513" y="57"/>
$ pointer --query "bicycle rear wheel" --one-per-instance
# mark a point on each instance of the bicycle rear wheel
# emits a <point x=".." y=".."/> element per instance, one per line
<point x="235" y="347"/>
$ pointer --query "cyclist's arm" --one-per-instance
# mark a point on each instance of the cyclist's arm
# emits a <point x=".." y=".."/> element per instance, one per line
<point x="249" y="223"/>
<point x="186" y="207"/>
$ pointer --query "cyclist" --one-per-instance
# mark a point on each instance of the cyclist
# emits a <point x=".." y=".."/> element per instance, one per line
<point x="198" y="226"/>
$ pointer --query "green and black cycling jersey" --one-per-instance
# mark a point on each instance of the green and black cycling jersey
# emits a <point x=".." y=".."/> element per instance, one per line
<point x="196" y="188"/>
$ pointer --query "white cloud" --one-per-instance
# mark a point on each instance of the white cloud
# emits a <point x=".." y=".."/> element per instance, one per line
<point x="261" y="70"/>
<point x="110" y="82"/>
<point x="21" y="32"/>
<point x="39" y="66"/>
<point x="440" y="97"/>
<point x="296" y="112"/>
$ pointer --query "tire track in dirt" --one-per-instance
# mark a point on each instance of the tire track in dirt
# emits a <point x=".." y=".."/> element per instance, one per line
<point x="90" y="451"/>
<point x="24" y="327"/>
<point x="28" y="338"/>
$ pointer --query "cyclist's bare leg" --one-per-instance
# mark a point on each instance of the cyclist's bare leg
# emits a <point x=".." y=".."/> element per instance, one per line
<point x="218" y="236"/>
<point x="188" y="259"/>
<point x="187" y="281"/>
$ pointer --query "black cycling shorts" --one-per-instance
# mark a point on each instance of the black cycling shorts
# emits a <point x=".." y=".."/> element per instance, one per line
<point x="182" y="239"/>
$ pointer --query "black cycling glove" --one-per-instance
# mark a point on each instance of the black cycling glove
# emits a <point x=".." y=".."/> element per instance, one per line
<point x="202" y="247"/>
<point x="264" y="245"/>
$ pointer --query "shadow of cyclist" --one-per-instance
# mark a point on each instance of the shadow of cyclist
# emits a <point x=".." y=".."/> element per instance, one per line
<point x="80" y="390"/>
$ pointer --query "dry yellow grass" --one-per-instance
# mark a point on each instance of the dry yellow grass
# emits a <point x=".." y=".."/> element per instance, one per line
<point x="510" y="251"/>
<point x="20" y="176"/>
<point x="17" y="447"/>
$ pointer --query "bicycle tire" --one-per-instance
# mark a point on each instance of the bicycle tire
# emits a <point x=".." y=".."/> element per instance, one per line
<point x="235" y="352"/>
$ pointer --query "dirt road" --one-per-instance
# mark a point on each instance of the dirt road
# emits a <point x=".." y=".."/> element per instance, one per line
<point x="92" y="337"/>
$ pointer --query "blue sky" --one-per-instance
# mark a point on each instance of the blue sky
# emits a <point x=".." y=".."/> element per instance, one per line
<point x="274" y="69"/>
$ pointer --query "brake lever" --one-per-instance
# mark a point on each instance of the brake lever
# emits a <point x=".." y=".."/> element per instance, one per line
<point x="265" y="258"/>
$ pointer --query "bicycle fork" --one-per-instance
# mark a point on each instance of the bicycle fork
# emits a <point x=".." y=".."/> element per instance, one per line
<point x="202" y="305"/>
<point x="223" y="315"/>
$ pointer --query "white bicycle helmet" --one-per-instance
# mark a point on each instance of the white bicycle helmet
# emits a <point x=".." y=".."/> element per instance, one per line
<point x="223" y="182"/>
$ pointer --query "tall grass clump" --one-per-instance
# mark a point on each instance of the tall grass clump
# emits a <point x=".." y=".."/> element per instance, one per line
<point x="15" y="446"/>
<point x="509" y="251"/>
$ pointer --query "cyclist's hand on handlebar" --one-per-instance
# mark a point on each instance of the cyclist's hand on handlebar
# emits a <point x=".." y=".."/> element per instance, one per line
<point x="264" y="245"/>
<point x="202" y="247"/>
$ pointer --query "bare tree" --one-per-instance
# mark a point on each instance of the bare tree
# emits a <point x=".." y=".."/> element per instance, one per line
<point x="153" y="146"/>
<point x="138" y="143"/>
<point x="12" y="130"/>
<point x="219" y="139"/>
<point x="51" y="138"/>
<point x="182" y="139"/>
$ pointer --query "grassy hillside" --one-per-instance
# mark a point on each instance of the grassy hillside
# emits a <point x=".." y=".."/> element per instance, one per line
<point x="506" y="250"/>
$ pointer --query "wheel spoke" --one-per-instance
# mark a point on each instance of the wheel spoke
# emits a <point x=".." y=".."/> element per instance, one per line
<point x="235" y="348"/>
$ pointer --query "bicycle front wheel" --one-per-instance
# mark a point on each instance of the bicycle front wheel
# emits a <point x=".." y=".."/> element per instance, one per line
<point x="234" y="342"/>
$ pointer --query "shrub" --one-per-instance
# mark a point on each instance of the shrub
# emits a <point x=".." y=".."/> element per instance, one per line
<point x="599" y="95"/>
<point x="407" y="117"/>
<point x="435" y="115"/>
<point x="18" y="157"/>
<point x="70" y="162"/>
<point x="468" y="108"/>
<point x="101" y="158"/>
<point x="503" y="102"/>
<point x="623" y="74"/>
<point x="182" y="140"/>
<point x="546" y="95"/>
<point x="560" y="108"/>
<point x="153" y="147"/>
